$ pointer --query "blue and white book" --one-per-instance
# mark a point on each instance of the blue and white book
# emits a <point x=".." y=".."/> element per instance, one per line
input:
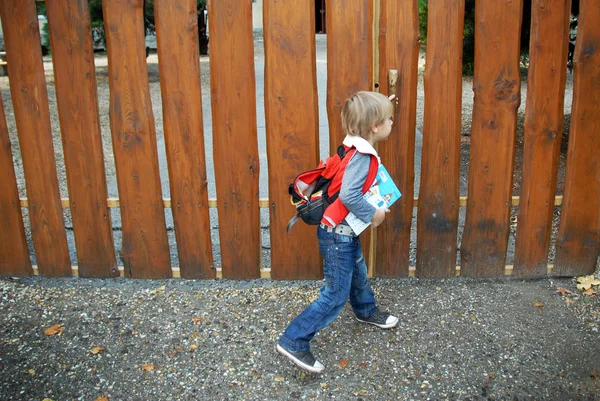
<point x="382" y="193"/>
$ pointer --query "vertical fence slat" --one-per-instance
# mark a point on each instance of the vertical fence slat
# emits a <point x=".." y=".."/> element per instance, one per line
<point x="543" y="133"/>
<point x="349" y="58"/>
<point x="235" y="142"/>
<point x="399" y="50"/>
<point x="292" y="130"/>
<point x="76" y="95"/>
<point x="437" y="216"/>
<point x="349" y="67"/>
<point x="30" y="101"/>
<point x="578" y="239"/>
<point x="145" y="247"/>
<point x="179" y="65"/>
<point x="14" y="255"/>
<point x="496" y="85"/>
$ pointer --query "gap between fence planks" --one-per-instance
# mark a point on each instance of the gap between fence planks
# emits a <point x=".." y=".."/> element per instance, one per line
<point x="178" y="56"/>
<point x="292" y="130"/>
<point x="544" y="118"/>
<point x="32" y="115"/>
<point x="145" y="249"/>
<point x="578" y="241"/>
<point x="235" y="143"/>
<point x="399" y="44"/>
<point x="437" y="217"/>
<point x="77" y="101"/>
<point x="497" y="87"/>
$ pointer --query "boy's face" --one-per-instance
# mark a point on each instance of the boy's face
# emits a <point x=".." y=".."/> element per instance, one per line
<point x="382" y="131"/>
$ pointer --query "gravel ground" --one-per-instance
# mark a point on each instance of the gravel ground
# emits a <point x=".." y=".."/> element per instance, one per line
<point x="457" y="339"/>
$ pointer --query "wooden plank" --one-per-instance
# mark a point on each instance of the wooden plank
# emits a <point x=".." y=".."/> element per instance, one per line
<point x="145" y="245"/>
<point x="178" y="56"/>
<point x="235" y="142"/>
<point x="398" y="50"/>
<point x="349" y="68"/>
<point x="496" y="84"/>
<point x="578" y="242"/>
<point x="292" y="130"/>
<point x="30" y="102"/>
<point x="349" y="58"/>
<point x="77" y="98"/>
<point x="14" y="255"/>
<point x="543" y="133"/>
<point x="437" y="218"/>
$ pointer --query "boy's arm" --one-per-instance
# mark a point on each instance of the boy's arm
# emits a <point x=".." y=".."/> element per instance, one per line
<point x="352" y="184"/>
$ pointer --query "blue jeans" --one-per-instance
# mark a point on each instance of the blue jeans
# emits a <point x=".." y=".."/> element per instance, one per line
<point x="345" y="277"/>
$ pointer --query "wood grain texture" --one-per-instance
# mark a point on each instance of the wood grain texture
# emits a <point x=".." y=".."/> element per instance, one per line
<point x="399" y="44"/>
<point x="178" y="57"/>
<point x="14" y="255"/>
<point x="292" y="131"/>
<point x="496" y="84"/>
<point x="77" y="98"/>
<point x="578" y="242"/>
<point x="145" y="247"/>
<point x="544" y="118"/>
<point x="235" y="142"/>
<point x="349" y="69"/>
<point x="349" y="58"/>
<point x="437" y="216"/>
<point x="30" y="102"/>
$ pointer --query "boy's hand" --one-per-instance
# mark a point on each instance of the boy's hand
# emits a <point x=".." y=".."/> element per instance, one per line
<point x="379" y="216"/>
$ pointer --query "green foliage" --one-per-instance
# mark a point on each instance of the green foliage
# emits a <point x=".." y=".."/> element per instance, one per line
<point x="423" y="21"/>
<point x="469" y="31"/>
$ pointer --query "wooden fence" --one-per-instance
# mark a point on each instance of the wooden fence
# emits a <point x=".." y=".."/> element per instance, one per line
<point x="366" y="39"/>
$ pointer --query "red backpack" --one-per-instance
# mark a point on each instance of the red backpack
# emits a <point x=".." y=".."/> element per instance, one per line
<point x="314" y="190"/>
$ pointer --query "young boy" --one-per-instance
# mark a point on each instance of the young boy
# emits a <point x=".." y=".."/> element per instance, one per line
<point x="366" y="120"/>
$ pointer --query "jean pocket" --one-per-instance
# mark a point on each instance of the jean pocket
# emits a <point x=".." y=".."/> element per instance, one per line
<point x="343" y="239"/>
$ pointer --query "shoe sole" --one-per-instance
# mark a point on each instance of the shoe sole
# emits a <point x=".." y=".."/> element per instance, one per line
<point x="382" y="326"/>
<point x="297" y="361"/>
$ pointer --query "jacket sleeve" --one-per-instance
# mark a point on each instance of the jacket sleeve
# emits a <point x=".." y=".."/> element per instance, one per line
<point x="353" y="181"/>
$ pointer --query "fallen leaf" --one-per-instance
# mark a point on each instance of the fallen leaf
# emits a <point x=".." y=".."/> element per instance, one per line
<point x="279" y="378"/>
<point x="586" y="282"/>
<point x="96" y="350"/>
<point x="56" y="329"/>
<point x="47" y="399"/>
<point x="343" y="363"/>
<point x="147" y="367"/>
<point x="324" y="386"/>
<point x="538" y="304"/>
<point x="172" y="354"/>
<point x="31" y="372"/>
<point x="363" y="364"/>
<point x="193" y="347"/>
<point x="569" y="301"/>
<point x="595" y="374"/>
<point x="102" y="399"/>
<point x="563" y="291"/>
<point x="590" y="291"/>
<point x="474" y="318"/>
<point x="197" y="320"/>
<point x="362" y="392"/>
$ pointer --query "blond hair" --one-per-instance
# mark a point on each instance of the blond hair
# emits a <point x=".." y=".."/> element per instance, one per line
<point x="365" y="110"/>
